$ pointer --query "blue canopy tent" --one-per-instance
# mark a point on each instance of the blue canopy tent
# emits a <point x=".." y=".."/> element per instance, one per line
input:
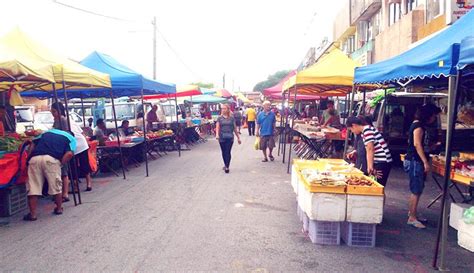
<point x="207" y="99"/>
<point x="466" y="53"/>
<point x="125" y="81"/>
<point x="433" y="59"/>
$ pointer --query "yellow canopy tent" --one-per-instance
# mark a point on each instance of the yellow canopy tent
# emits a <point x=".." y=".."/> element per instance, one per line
<point x="332" y="75"/>
<point x="243" y="98"/>
<point x="29" y="65"/>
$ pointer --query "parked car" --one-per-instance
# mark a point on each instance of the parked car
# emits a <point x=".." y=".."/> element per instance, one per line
<point x="393" y="115"/>
<point x="24" y="117"/>
<point x="44" y="120"/>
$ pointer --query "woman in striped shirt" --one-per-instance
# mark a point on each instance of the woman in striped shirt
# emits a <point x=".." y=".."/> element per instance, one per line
<point x="379" y="158"/>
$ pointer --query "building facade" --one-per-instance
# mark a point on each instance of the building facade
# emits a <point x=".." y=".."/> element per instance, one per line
<point x="374" y="30"/>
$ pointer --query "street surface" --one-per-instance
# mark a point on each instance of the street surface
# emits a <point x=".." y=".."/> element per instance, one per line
<point x="191" y="216"/>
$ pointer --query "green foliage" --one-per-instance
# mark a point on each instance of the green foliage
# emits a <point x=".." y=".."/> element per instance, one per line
<point x="207" y="85"/>
<point x="271" y="80"/>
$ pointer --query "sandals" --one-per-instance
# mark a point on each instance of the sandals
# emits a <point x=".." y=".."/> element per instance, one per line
<point x="28" y="217"/>
<point x="272" y="158"/>
<point x="416" y="224"/>
<point x="58" y="211"/>
<point x="66" y="199"/>
<point x="265" y="160"/>
<point x="420" y="218"/>
<point x="89" y="189"/>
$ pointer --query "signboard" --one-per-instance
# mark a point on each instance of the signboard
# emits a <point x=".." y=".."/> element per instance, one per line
<point x="457" y="9"/>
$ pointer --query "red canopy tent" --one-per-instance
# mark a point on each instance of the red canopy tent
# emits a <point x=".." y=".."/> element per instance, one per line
<point x="181" y="91"/>
<point x="278" y="88"/>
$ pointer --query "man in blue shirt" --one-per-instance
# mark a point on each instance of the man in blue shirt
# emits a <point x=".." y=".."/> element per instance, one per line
<point x="265" y="129"/>
<point x="47" y="154"/>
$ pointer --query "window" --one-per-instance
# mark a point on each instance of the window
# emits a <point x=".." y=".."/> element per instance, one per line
<point x="394" y="13"/>
<point x="123" y="111"/>
<point x="411" y="5"/>
<point x="434" y="9"/>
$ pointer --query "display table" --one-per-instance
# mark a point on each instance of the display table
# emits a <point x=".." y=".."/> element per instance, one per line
<point x="108" y="154"/>
<point x="314" y="145"/>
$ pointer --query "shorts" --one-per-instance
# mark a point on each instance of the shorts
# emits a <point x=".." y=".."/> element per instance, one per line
<point x="267" y="142"/>
<point x="43" y="167"/>
<point x="238" y="123"/>
<point x="416" y="173"/>
<point x="82" y="164"/>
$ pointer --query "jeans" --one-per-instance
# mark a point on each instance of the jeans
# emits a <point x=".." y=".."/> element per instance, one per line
<point x="416" y="173"/>
<point x="251" y="127"/>
<point x="226" y="147"/>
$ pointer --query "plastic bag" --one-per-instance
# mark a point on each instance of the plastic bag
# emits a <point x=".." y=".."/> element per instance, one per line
<point x="468" y="216"/>
<point x="257" y="143"/>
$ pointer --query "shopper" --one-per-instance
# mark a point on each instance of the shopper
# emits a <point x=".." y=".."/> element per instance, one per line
<point x="81" y="154"/>
<point x="238" y="118"/>
<point x="60" y="123"/>
<point x="46" y="155"/>
<point x="358" y="154"/>
<point x="251" y="116"/>
<point x="416" y="163"/>
<point x="225" y="130"/>
<point x="379" y="159"/>
<point x="266" y="121"/>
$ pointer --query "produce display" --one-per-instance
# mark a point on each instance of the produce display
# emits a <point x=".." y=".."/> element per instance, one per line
<point x="153" y="135"/>
<point x="9" y="144"/>
<point x="359" y="181"/>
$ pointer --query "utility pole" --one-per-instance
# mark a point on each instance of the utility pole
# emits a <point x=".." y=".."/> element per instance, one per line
<point x="223" y="81"/>
<point x="154" y="47"/>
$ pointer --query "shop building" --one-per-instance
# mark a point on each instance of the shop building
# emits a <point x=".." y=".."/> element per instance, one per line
<point x="374" y="30"/>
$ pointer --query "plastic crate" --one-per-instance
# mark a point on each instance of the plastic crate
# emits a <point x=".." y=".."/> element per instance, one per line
<point x="13" y="200"/>
<point x="359" y="235"/>
<point x="324" y="233"/>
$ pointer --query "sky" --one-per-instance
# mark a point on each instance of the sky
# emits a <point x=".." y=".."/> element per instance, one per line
<point x="199" y="40"/>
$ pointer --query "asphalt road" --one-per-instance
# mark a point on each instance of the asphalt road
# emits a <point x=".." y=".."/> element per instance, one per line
<point x="191" y="216"/>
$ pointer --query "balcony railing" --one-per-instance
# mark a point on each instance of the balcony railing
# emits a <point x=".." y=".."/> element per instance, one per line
<point x="366" y="48"/>
<point x="362" y="10"/>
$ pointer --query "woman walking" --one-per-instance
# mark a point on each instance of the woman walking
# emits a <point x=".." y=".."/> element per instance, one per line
<point x="225" y="130"/>
<point x="416" y="163"/>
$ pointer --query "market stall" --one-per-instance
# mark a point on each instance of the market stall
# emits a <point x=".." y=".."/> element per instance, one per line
<point x="434" y="61"/>
<point x="335" y="200"/>
<point x="331" y="76"/>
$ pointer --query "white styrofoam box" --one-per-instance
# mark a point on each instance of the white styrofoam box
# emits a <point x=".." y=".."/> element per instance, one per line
<point x="466" y="235"/>
<point x="294" y="179"/>
<point x="329" y="207"/>
<point x="457" y="211"/>
<point x="302" y="195"/>
<point x="364" y="209"/>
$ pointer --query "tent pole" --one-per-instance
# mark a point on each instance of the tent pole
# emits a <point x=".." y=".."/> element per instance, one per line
<point x="285" y="127"/>
<point x="75" y="175"/>
<point x="363" y="102"/>
<point x="145" y="149"/>
<point x="176" y="106"/>
<point x="118" y="136"/>
<point x="441" y="241"/>
<point x="349" y="114"/>
<point x="291" y="131"/>
<point x="281" y="126"/>
<point x="83" y="112"/>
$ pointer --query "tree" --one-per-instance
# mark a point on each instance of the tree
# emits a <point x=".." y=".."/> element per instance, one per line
<point x="271" y="80"/>
<point x="207" y="85"/>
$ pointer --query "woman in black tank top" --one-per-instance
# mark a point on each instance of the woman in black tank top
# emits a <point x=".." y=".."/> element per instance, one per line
<point x="416" y="163"/>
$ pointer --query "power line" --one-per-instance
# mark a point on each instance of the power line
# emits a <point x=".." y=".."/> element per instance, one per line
<point x="132" y="21"/>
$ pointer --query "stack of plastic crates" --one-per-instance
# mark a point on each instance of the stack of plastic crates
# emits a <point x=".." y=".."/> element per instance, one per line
<point x="325" y="233"/>
<point x="359" y="235"/>
<point x="12" y="200"/>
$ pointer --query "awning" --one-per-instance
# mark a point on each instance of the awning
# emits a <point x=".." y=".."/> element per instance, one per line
<point x="434" y="58"/>
<point x="224" y="93"/>
<point x="206" y="91"/>
<point x="181" y="91"/>
<point x="243" y="98"/>
<point x="466" y="54"/>
<point x="125" y="82"/>
<point x="332" y="75"/>
<point x="278" y="88"/>
<point x="35" y="59"/>
<point x="207" y="99"/>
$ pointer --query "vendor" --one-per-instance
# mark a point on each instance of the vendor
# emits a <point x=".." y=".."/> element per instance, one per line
<point x="47" y="153"/>
<point x="379" y="159"/>
<point x="416" y="162"/>
<point x="100" y="132"/>
<point x="331" y="116"/>
<point x="358" y="154"/>
<point x="125" y="130"/>
<point x="152" y="117"/>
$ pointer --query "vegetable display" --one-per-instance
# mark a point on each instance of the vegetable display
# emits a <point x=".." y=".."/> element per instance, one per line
<point x="9" y="144"/>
